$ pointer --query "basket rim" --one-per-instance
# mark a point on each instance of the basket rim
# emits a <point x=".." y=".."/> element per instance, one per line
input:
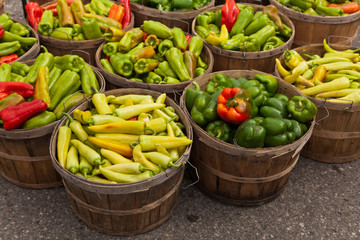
<point x="158" y="178"/>
<point x="232" y="147"/>
<point x="243" y="54"/>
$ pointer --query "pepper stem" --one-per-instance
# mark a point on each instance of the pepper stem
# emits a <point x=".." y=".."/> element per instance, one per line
<point x="219" y="133"/>
<point x="133" y="144"/>
<point x="171" y="164"/>
<point x="171" y="119"/>
<point x="146" y="169"/>
<point x="149" y="128"/>
<point x="68" y="116"/>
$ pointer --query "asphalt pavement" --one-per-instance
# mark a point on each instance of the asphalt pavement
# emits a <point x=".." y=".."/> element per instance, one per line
<point x="320" y="201"/>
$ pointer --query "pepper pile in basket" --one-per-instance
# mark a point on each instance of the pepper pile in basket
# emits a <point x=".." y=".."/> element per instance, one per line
<point x="173" y="5"/>
<point x="334" y="75"/>
<point x="72" y="20"/>
<point x="37" y="95"/>
<point x="15" y="39"/>
<point x="323" y="7"/>
<point x="237" y="27"/>
<point x="249" y="113"/>
<point x="156" y="54"/>
<point x="121" y="139"/>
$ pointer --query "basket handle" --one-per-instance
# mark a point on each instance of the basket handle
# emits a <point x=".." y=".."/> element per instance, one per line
<point x="336" y="36"/>
<point x="79" y="50"/>
<point x="197" y="177"/>
<point x="326" y="109"/>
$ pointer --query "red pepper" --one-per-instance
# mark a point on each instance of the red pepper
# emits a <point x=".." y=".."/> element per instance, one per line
<point x="145" y="36"/>
<point x="350" y="7"/>
<point x="188" y="37"/>
<point x="53" y="8"/>
<point x="8" y="58"/>
<point x="3" y="95"/>
<point x="234" y="105"/>
<point x="34" y="12"/>
<point x="15" y="116"/>
<point x="2" y="31"/>
<point x="127" y="16"/>
<point x="24" y="89"/>
<point x="117" y="12"/>
<point x="229" y="13"/>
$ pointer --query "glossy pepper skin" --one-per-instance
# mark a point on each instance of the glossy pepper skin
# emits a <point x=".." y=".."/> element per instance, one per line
<point x="91" y="28"/>
<point x="11" y="99"/>
<point x="64" y="33"/>
<point x="14" y="116"/>
<point x="257" y="24"/>
<point x="196" y="45"/>
<point x="69" y="62"/>
<point x="33" y="12"/>
<point x="274" y="107"/>
<point x="250" y="134"/>
<point x="41" y="86"/>
<point x="219" y="81"/>
<point x="131" y="38"/>
<point x="127" y="15"/>
<point x="302" y="109"/>
<point x="66" y="18"/>
<point x="203" y="110"/>
<point x="89" y="82"/>
<point x="164" y="46"/>
<point x="256" y="90"/>
<point x="220" y="130"/>
<point x="277" y="132"/>
<point x="122" y="64"/>
<point x="176" y="62"/>
<point x="191" y="94"/>
<point x="179" y="38"/>
<point x="145" y="65"/>
<point x="44" y="59"/>
<point x="78" y="11"/>
<point x="47" y="23"/>
<point x="157" y="28"/>
<point x="39" y="120"/>
<point x="270" y="82"/>
<point x="234" y="105"/>
<point x="19" y="29"/>
<point x="24" y="89"/>
<point x="190" y="63"/>
<point x="229" y="13"/>
<point x="165" y="70"/>
<point x="242" y="20"/>
<point x="110" y="48"/>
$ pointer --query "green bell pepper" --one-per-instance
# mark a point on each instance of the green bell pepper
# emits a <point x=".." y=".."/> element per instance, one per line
<point x="276" y="132"/>
<point x="204" y="108"/>
<point x="270" y="82"/>
<point x="220" y="130"/>
<point x="256" y="90"/>
<point x="164" y="46"/>
<point x="295" y="127"/>
<point x="302" y="109"/>
<point x="199" y="71"/>
<point x="191" y="95"/>
<point x="272" y="42"/>
<point x="274" y="107"/>
<point x="122" y="64"/>
<point x="250" y="134"/>
<point x="110" y="48"/>
<point x="153" y="78"/>
<point x="69" y="62"/>
<point x="5" y="21"/>
<point x="91" y="28"/>
<point x="218" y="81"/>
<point x="282" y="97"/>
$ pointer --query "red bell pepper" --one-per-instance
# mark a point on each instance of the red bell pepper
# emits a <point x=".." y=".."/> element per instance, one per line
<point x="8" y="58"/>
<point x="234" y="105"/>
<point x="350" y="7"/>
<point x="2" y="31"/>
<point x="34" y="12"/>
<point x="24" y="89"/>
<point x="127" y="16"/>
<point x="229" y="13"/>
<point x="15" y="116"/>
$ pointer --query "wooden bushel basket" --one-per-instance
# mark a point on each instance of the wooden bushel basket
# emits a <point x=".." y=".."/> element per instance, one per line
<point x="336" y="135"/>
<point x="237" y="175"/>
<point x="181" y="19"/>
<point x="234" y="60"/>
<point x="128" y="208"/>
<point x="24" y="153"/>
<point x="312" y="29"/>
<point x="85" y="49"/>
<point x="172" y="90"/>
<point x="35" y="49"/>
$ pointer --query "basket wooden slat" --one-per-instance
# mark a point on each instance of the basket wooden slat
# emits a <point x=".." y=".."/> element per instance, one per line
<point x="129" y="208"/>
<point x="24" y="153"/>
<point x="311" y="29"/>
<point x="172" y="90"/>
<point x="233" y="60"/>
<point x="237" y="175"/>
<point x="336" y="136"/>
<point x="181" y="19"/>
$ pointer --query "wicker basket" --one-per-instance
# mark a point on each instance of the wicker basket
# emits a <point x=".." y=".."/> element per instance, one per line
<point x="24" y="153"/>
<point x="128" y="208"/>
<point x="237" y="175"/>
<point x="233" y="60"/>
<point x="181" y="19"/>
<point x="312" y="29"/>
<point x="336" y="136"/>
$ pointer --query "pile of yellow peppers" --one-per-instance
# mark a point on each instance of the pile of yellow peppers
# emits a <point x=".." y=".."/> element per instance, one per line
<point x="335" y="76"/>
<point x="122" y="139"/>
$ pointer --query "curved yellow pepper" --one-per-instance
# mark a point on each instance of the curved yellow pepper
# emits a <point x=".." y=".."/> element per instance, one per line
<point x="215" y="40"/>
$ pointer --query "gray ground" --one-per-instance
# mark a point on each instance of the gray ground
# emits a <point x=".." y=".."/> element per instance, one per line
<point x="320" y="201"/>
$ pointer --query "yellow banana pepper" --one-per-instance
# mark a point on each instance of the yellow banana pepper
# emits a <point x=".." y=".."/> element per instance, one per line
<point x="213" y="39"/>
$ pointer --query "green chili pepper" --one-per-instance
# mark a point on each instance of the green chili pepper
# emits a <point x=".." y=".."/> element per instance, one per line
<point x="68" y="102"/>
<point x="5" y="72"/>
<point x="170" y="80"/>
<point x="87" y="152"/>
<point x="44" y="59"/>
<point x="24" y="41"/>
<point x="7" y="48"/>
<point x="47" y="22"/>
<point x="242" y="20"/>
<point x="199" y="71"/>
<point x="157" y="28"/>
<point x="272" y="42"/>
<point x="20" y="68"/>
<point x="196" y="45"/>
<point x="105" y="63"/>
<point x="39" y="120"/>
<point x="54" y="75"/>
<point x="89" y="82"/>
<point x="179" y="38"/>
<point x="63" y="143"/>
<point x="131" y="38"/>
<point x="257" y="24"/>
<point x="19" y="29"/>
<point x="176" y="62"/>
